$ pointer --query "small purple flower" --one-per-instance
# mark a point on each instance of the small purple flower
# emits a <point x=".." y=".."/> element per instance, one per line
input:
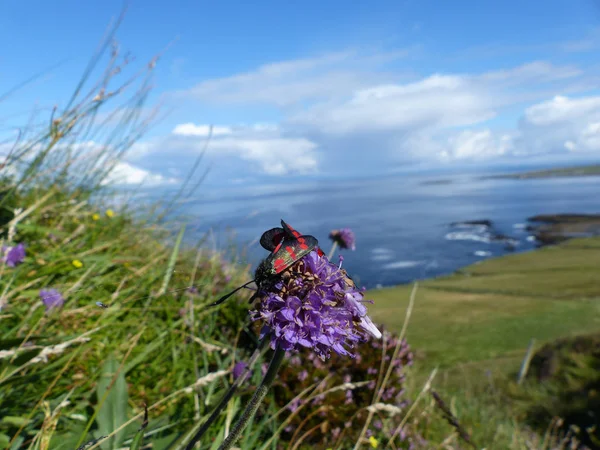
<point x="336" y="432"/>
<point x="239" y="369"/>
<point x="295" y="404"/>
<point x="51" y="298"/>
<point x="14" y="256"/>
<point x="344" y="237"/>
<point x="349" y="397"/>
<point x="192" y="290"/>
<point x="303" y="375"/>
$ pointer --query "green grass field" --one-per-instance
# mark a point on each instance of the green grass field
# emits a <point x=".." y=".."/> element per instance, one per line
<point x="476" y="325"/>
<point x="493" y="309"/>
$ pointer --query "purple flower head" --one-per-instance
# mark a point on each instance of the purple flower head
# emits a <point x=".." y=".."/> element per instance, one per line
<point x="14" y="256"/>
<point x="239" y="369"/>
<point x="349" y="397"/>
<point x="320" y="309"/>
<point x="51" y="298"/>
<point x="344" y="237"/>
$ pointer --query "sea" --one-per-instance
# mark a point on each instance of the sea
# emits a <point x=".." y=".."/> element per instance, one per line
<point x="403" y="223"/>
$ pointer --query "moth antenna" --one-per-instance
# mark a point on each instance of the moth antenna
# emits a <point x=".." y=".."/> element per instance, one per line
<point x="225" y="297"/>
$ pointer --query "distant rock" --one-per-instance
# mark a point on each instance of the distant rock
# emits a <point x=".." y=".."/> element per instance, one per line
<point x="435" y="182"/>
<point x="484" y="222"/>
<point x="550" y="229"/>
<point x="481" y="230"/>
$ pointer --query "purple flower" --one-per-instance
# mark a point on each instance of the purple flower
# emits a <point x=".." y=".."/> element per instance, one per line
<point x="295" y="404"/>
<point x="319" y="309"/>
<point x="192" y="290"/>
<point x="349" y="397"/>
<point x="344" y="237"/>
<point x="51" y="298"/>
<point x="239" y="369"/>
<point x="14" y="256"/>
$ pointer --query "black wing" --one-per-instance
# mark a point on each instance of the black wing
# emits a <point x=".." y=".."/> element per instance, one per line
<point x="270" y="239"/>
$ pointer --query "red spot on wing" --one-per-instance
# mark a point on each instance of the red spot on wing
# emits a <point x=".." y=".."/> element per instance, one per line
<point x="291" y="252"/>
<point x="302" y="243"/>
<point x="280" y="265"/>
<point x="278" y="246"/>
<point x="320" y="252"/>
<point x="294" y="232"/>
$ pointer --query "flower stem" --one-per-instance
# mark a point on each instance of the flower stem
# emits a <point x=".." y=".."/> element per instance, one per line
<point x="332" y="251"/>
<point x="228" y="396"/>
<point x="255" y="401"/>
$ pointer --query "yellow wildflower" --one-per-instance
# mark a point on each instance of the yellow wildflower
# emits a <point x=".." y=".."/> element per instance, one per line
<point x="78" y="264"/>
<point x="110" y="213"/>
<point x="374" y="442"/>
<point x="95" y="216"/>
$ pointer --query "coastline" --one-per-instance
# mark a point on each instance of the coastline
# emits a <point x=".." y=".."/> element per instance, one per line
<point x="493" y="308"/>
<point x="575" y="171"/>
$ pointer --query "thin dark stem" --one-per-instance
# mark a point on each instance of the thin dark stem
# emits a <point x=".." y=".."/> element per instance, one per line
<point x="230" y="393"/>
<point x="255" y="401"/>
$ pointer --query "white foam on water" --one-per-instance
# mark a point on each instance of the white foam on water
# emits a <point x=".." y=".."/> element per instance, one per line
<point x="381" y="254"/>
<point x="402" y="264"/>
<point x="464" y="236"/>
<point x="382" y="257"/>
<point x="482" y="253"/>
<point x="531" y="238"/>
<point x="519" y="226"/>
<point x="381" y="251"/>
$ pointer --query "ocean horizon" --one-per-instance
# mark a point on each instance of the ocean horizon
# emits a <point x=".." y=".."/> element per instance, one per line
<point x="402" y="223"/>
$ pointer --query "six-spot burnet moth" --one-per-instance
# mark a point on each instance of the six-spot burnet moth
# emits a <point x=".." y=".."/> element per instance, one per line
<point x="286" y="246"/>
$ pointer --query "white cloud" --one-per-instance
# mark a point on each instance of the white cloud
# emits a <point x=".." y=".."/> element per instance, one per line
<point x="562" y="123"/>
<point x="125" y="173"/>
<point x="480" y="144"/>
<point x="274" y="155"/>
<point x="561" y="109"/>
<point x="436" y="101"/>
<point x="189" y="129"/>
<point x="345" y="113"/>
<point x="289" y="82"/>
<point x="262" y="145"/>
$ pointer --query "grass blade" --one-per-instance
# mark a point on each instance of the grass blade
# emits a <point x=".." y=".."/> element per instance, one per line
<point x="172" y="262"/>
<point x="113" y="412"/>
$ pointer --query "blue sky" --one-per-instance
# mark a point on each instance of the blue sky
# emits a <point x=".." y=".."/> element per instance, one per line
<point x="327" y="88"/>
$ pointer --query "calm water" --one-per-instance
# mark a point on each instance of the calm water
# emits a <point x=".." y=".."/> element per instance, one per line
<point x="401" y="223"/>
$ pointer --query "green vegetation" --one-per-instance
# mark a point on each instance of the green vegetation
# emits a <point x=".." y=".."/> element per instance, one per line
<point x="105" y="338"/>
<point x="579" y="171"/>
<point x="129" y="357"/>
<point x="476" y="325"/>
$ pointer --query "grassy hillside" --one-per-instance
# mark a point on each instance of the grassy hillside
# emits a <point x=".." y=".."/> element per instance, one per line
<point x="579" y="171"/>
<point x="494" y="308"/>
<point x="476" y="326"/>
